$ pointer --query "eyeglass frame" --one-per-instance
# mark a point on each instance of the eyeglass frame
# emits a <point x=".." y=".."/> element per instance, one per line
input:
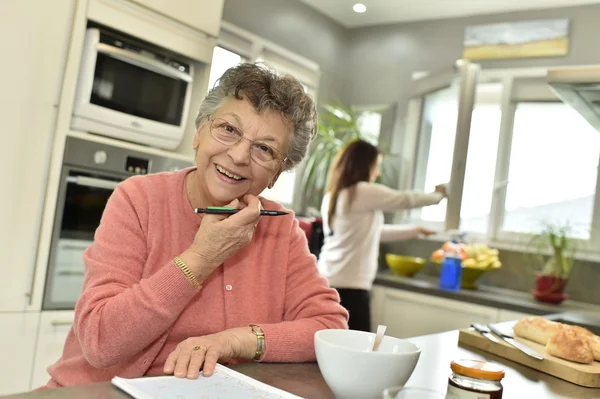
<point x="279" y="159"/>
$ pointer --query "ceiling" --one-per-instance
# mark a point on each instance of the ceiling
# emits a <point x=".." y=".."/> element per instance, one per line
<point x="390" y="11"/>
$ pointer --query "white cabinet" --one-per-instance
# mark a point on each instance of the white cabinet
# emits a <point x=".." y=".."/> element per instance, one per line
<point x="34" y="36"/>
<point x="408" y="314"/>
<point x="204" y="15"/>
<point x="24" y="157"/>
<point x="54" y="328"/>
<point x="17" y="348"/>
<point x="37" y="34"/>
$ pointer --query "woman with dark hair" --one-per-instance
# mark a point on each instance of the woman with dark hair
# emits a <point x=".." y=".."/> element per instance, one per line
<point x="353" y="225"/>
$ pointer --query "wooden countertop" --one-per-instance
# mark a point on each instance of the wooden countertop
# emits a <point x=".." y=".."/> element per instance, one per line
<point x="432" y="371"/>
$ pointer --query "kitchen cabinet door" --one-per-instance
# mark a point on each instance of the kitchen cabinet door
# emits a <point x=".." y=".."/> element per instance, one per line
<point x="204" y="15"/>
<point x="408" y="314"/>
<point x="377" y="298"/>
<point x="18" y="333"/>
<point x="37" y="34"/>
<point x="54" y="328"/>
<point x="27" y="132"/>
<point x="34" y="38"/>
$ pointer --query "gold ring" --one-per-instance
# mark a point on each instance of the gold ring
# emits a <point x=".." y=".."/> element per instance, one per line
<point x="199" y="348"/>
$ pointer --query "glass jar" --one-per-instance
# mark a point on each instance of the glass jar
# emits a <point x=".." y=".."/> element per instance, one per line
<point x="475" y="379"/>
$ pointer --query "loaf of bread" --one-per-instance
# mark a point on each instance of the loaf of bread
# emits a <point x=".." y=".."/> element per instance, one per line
<point x="536" y="329"/>
<point x="568" y="342"/>
<point x="595" y="344"/>
<point x="570" y="345"/>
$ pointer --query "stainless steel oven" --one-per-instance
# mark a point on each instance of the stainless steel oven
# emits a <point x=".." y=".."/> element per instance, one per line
<point x="90" y="173"/>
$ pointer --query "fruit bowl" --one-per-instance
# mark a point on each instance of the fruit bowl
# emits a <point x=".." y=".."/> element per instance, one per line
<point x="403" y="265"/>
<point x="470" y="275"/>
<point x="476" y="260"/>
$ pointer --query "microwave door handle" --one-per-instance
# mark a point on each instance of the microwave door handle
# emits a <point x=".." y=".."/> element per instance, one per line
<point x="92" y="182"/>
<point x="142" y="62"/>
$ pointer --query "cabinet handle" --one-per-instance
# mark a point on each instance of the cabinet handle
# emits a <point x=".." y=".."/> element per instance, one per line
<point x="70" y="273"/>
<point x="136" y="59"/>
<point x="59" y="323"/>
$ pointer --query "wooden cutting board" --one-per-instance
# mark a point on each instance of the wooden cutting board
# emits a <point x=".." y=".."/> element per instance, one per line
<point x="587" y="375"/>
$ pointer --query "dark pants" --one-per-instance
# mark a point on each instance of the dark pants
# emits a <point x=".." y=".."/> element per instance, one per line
<point x="357" y="303"/>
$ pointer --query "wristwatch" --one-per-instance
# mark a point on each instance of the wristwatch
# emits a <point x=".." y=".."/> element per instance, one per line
<point x="260" y="341"/>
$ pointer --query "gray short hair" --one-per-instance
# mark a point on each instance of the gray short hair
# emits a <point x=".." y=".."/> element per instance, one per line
<point x="268" y="90"/>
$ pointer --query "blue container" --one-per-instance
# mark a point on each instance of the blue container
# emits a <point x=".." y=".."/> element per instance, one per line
<point x="451" y="273"/>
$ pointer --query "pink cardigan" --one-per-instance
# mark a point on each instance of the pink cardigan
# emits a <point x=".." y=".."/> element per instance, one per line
<point x="137" y="305"/>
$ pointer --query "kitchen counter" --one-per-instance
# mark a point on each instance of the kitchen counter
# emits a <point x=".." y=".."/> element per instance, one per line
<point x="485" y="295"/>
<point x="432" y="371"/>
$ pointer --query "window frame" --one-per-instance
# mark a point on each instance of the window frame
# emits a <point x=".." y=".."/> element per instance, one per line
<point x="519" y="85"/>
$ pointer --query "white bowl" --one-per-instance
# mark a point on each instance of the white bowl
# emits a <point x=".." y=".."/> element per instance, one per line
<point x="353" y="371"/>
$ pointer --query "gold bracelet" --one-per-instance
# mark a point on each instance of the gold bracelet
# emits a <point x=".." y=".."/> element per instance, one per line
<point x="187" y="272"/>
<point x="260" y="341"/>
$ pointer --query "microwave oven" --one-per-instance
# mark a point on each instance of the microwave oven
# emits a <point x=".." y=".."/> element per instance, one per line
<point x="131" y="90"/>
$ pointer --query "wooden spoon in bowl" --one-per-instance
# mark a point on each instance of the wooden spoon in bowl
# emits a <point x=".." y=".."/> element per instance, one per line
<point x="378" y="337"/>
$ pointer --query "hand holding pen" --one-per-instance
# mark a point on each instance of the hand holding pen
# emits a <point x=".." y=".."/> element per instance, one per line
<point x="221" y="235"/>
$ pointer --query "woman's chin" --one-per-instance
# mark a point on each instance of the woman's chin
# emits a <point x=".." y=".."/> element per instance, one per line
<point x="222" y="197"/>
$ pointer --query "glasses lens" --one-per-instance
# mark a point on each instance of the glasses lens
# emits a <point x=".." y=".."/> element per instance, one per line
<point x="263" y="152"/>
<point x="225" y="132"/>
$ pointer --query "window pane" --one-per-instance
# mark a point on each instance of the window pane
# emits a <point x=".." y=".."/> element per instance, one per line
<point x="481" y="159"/>
<point x="283" y="190"/>
<point x="553" y="168"/>
<point x="222" y="60"/>
<point x="369" y="124"/>
<point x="436" y="147"/>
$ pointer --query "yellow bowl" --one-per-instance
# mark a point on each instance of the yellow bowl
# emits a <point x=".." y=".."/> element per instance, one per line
<point x="403" y="265"/>
<point x="470" y="275"/>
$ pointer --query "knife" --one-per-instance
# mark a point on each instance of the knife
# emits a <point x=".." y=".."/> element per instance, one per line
<point x="483" y="330"/>
<point x="520" y="346"/>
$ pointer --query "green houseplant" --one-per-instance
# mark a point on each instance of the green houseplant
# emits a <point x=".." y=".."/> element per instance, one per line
<point x="337" y="126"/>
<point x="554" y="258"/>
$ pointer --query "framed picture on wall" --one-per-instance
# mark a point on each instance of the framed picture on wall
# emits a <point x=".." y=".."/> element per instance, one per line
<point x="524" y="39"/>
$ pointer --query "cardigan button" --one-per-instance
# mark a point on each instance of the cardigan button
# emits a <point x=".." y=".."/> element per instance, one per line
<point x="228" y="287"/>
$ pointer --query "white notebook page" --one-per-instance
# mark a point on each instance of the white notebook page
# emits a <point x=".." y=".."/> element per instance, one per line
<point x="225" y="383"/>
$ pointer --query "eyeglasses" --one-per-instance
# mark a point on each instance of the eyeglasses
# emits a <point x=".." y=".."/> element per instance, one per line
<point x="226" y="133"/>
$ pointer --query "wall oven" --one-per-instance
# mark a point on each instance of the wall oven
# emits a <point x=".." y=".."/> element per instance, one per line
<point x="90" y="173"/>
<point x="131" y="90"/>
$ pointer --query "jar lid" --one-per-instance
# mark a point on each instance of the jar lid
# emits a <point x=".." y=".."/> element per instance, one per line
<point x="478" y="369"/>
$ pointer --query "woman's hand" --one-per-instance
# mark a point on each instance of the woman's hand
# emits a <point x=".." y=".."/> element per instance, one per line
<point x="204" y="352"/>
<point x="221" y="236"/>
<point x="442" y="188"/>
<point x="425" y="232"/>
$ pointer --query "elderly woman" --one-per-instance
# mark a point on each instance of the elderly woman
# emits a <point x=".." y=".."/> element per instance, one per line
<point x="168" y="291"/>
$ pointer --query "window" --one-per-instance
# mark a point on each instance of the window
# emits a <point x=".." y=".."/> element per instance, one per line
<point x="435" y="148"/>
<point x="553" y="169"/>
<point x="369" y="124"/>
<point x="530" y="159"/>
<point x="283" y="190"/>
<point x="481" y="159"/>
<point x="436" y="152"/>
<point x="222" y="60"/>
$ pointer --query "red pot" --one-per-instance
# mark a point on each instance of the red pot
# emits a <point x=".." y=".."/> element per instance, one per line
<point x="550" y="289"/>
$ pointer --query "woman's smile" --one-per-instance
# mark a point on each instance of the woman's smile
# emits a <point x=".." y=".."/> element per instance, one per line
<point x="228" y="176"/>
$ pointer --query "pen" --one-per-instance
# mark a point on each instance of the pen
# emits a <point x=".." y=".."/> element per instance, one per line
<point x="223" y="210"/>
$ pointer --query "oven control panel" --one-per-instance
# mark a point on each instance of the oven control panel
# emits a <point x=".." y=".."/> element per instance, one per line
<point x="138" y="166"/>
